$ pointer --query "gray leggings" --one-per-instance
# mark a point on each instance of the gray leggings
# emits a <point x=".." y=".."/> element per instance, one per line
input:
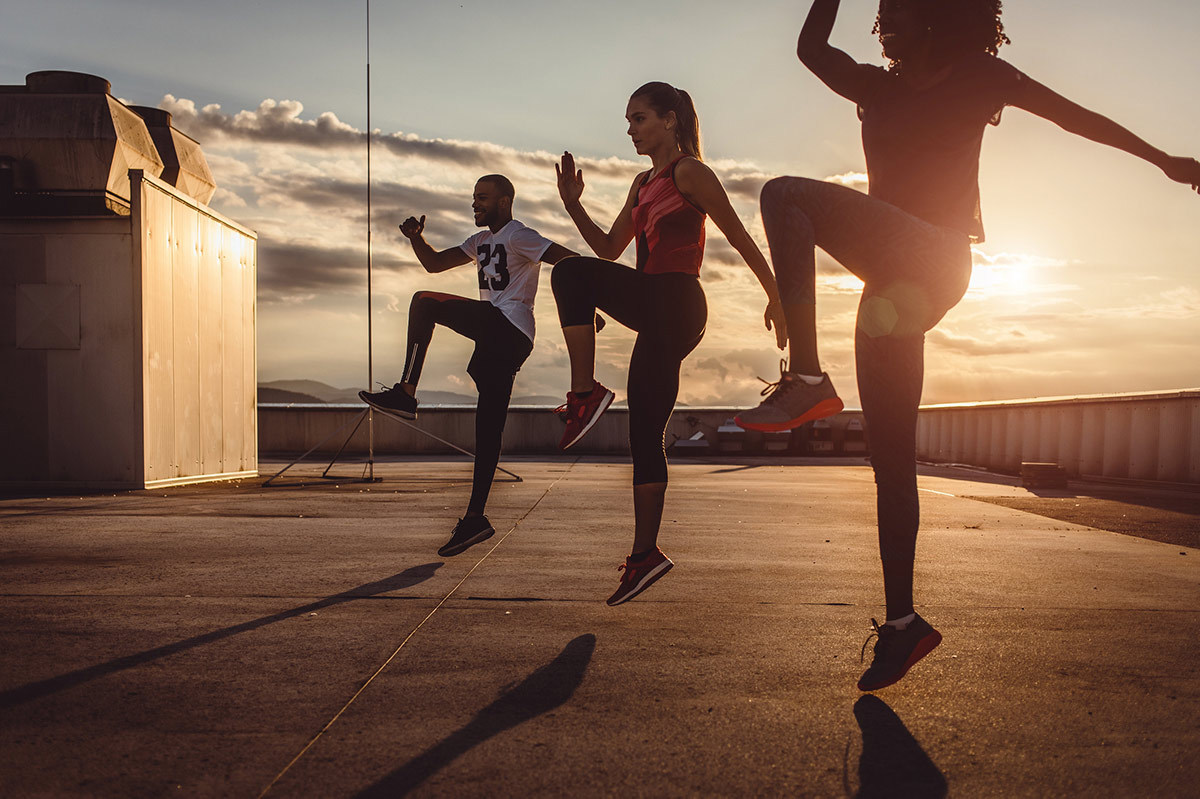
<point x="913" y="272"/>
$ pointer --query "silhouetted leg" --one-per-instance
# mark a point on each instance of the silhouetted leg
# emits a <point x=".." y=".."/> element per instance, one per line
<point x="581" y="285"/>
<point x="890" y="372"/>
<point x="493" y="367"/>
<point x="652" y="390"/>
<point x="918" y="270"/>
<point x="792" y="241"/>
<point x="653" y="387"/>
<point x="430" y="308"/>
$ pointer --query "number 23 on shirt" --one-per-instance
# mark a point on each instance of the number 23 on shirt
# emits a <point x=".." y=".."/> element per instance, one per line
<point x="493" y="276"/>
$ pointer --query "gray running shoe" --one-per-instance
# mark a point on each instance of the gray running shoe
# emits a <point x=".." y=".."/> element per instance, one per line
<point x="790" y="403"/>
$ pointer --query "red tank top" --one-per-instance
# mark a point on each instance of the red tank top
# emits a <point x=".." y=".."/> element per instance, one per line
<point x="669" y="229"/>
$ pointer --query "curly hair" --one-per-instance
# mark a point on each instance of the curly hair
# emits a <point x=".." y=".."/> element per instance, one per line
<point x="958" y="27"/>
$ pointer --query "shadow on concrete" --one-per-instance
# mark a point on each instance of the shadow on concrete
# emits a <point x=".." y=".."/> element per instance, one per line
<point x="542" y="691"/>
<point x="731" y="469"/>
<point x="36" y="690"/>
<point x="892" y="764"/>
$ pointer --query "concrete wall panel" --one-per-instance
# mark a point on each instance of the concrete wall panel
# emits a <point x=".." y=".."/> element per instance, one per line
<point x="212" y="450"/>
<point x="1091" y="448"/>
<point x="1174" y="434"/>
<point x="1143" y="440"/>
<point x="1148" y="436"/>
<point x="233" y="375"/>
<point x="1194" y="449"/>
<point x="249" y="416"/>
<point x="158" y="334"/>
<point x="1117" y="419"/>
<point x="23" y="453"/>
<point x="185" y="284"/>
<point x="1070" y="438"/>
<point x="100" y="380"/>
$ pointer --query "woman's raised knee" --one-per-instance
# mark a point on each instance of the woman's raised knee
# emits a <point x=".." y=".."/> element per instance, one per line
<point x="780" y="192"/>
<point x="565" y="273"/>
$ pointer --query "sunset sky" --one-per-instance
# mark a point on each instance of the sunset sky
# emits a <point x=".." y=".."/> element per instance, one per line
<point x="1089" y="281"/>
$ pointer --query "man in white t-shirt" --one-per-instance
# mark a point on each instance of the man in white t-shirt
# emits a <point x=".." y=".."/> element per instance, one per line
<point x="508" y="256"/>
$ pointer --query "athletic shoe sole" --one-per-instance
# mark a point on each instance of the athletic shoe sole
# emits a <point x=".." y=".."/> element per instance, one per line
<point x="644" y="583"/>
<point x="822" y="410"/>
<point x="923" y="648"/>
<point x="386" y="409"/>
<point x="601" y="408"/>
<point x="483" y="535"/>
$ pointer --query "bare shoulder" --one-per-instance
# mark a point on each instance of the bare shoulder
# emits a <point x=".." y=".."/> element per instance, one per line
<point x="693" y="173"/>
<point x="692" y="166"/>
<point x="637" y="183"/>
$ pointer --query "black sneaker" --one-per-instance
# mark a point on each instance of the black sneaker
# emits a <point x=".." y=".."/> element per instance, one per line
<point x="469" y="531"/>
<point x="391" y="400"/>
<point x="897" y="651"/>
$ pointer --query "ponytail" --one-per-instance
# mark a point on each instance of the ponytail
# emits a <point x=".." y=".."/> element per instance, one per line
<point x="664" y="98"/>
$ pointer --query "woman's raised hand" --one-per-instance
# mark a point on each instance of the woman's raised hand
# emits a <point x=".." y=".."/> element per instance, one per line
<point x="1183" y="170"/>
<point x="570" y="180"/>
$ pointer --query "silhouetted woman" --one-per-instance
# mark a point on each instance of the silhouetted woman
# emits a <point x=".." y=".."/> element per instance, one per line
<point x="661" y="299"/>
<point x="923" y="120"/>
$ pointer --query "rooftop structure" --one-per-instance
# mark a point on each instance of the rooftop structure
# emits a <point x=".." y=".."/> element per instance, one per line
<point x="129" y="352"/>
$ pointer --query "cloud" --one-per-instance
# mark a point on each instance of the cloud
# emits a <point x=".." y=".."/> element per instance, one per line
<point x="280" y="122"/>
<point x="294" y="272"/>
<point x="300" y="182"/>
<point x="1014" y="341"/>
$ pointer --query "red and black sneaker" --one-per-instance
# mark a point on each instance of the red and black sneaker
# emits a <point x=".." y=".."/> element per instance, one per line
<point x="580" y="413"/>
<point x="640" y="574"/>
<point x="897" y="651"/>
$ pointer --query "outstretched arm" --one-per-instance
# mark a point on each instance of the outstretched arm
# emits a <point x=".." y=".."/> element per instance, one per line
<point x="608" y="245"/>
<point x="835" y="68"/>
<point x="701" y="187"/>
<point x="431" y="259"/>
<point x="1038" y="99"/>
<point x="555" y="253"/>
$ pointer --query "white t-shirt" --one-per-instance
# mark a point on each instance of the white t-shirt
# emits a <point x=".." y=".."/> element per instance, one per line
<point x="509" y="265"/>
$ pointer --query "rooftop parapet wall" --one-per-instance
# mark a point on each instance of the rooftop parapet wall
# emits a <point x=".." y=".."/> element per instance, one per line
<point x="1151" y="436"/>
<point x="1147" y="437"/>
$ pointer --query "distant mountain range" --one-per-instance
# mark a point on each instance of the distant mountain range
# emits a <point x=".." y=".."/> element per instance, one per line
<point x="314" y="391"/>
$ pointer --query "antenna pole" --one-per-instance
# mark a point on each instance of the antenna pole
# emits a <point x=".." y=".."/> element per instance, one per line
<point x="370" y="339"/>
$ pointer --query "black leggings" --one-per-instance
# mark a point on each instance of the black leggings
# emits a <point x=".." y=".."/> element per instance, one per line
<point x="500" y="350"/>
<point x="913" y="272"/>
<point x="668" y="312"/>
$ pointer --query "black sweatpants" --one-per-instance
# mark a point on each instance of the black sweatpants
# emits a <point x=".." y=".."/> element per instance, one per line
<point x="500" y="350"/>
<point x="668" y="311"/>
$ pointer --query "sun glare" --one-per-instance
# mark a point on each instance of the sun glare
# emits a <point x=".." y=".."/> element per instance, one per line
<point x="1008" y="274"/>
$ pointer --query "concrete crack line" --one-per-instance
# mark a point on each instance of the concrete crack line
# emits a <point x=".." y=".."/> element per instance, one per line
<point x="409" y="637"/>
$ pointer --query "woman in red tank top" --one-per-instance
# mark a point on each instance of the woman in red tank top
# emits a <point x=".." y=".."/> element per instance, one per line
<point x="661" y="298"/>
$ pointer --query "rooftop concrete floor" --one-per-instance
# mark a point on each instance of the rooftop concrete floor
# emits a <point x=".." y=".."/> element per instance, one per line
<point x="227" y="639"/>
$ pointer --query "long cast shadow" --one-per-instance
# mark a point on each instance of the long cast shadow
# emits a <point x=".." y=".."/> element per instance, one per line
<point x="35" y="690"/>
<point x="892" y="764"/>
<point x="542" y="691"/>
